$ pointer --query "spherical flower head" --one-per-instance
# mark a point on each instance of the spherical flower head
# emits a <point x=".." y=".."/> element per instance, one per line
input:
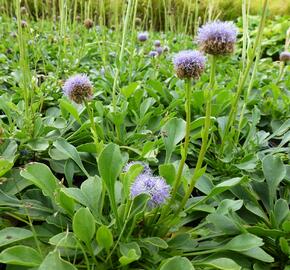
<point x="217" y="38"/>
<point x="189" y="64"/>
<point x="285" y="57"/>
<point x="159" y="50"/>
<point x="155" y="187"/>
<point x="146" y="168"/>
<point x="143" y="36"/>
<point x="78" y="88"/>
<point x="153" y="54"/>
<point x="88" y="23"/>
<point x="157" y="43"/>
<point x="23" y="24"/>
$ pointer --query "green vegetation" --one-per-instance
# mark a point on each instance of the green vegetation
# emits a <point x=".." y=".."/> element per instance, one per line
<point x="209" y="186"/>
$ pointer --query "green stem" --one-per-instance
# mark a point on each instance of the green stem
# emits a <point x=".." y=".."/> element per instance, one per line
<point x="121" y="233"/>
<point x="93" y="126"/>
<point x="205" y="134"/>
<point x="184" y="151"/>
<point x="233" y="112"/>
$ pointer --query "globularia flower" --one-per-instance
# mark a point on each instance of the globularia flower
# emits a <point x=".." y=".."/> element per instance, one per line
<point x="155" y="187"/>
<point x="78" y="88"/>
<point x="88" y="23"/>
<point x="159" y="50"/>
<point x="153" y="53"/>
<point x="143" y="36"/>
<point x="146" y="168"/>
<point x="157" y="43"/>
<point x="217" y="38"/>
<point x="189" y="64"/>
<point x="285" y="56"/>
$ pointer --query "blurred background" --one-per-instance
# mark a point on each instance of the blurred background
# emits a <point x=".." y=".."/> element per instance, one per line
<point x="168" y="15"/>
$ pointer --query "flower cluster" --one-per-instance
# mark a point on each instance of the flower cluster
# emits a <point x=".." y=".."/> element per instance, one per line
<point x="217" y="38"/>
<point x="78" y="88"/>
<point x="147" y="183"/>
<point x="189" y="64"/>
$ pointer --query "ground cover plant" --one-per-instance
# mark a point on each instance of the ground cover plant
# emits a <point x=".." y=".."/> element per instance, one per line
<point x="128" y="148"/>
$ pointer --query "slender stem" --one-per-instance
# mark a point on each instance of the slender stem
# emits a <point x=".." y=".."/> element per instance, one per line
<point x="196" y="8"/>
<point x="93" y="126"/>
<point x="122" y="231"/>
<point x="205" y="134"/>
<point x="184" y="150"/>
<point x="233" y="112"/>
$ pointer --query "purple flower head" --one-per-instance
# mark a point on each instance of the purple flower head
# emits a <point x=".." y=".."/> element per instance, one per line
<point x="78" y="88"/>
<point x="153" y="54"/>
<point x="146" y="168"/>
<point x="155" y="187"/>
<point x="189" y="64"/>
<point x="159" y="50"/>
<point x="217" y="38"/>
<point x="285" y="56"/>
<point x="157" y="43"/>
<point x="143" y="36"/>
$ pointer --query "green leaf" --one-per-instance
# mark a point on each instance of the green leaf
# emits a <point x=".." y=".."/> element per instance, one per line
<point x="225" y="185"/>
<point x="69" y="170"/>
<point x="274" y="171"/>
<point x="221" y="263"/>
<point x="69" y="150"/>
<point x="41" y="176"/>
<point x="110" y="164"/>
<point x="128" y="90"/>
<point x="20" y="255"/>
<point x="243" y="242"/>
<point x="168" y="172"/>
<point x="92" y="192"/>
<point x="258" y="254"/>
<point x="131" y="252"/>
<point x="130" y="176"/>
<point x="173" y="132"/>
<point x="84" y="225"/>
<point x="64" y="239"/>
<point x="281" y="211"/>
<point x="66" y="202"/>
<point x="53" y="261"/>
<point x="223" y="223"/>
<point x="39" y="144"/>
<point x="65" y="105"/>
<point x="156" y="241"/>
<point x="12" y="234"/>
<point x="139" y="205"/>
<point x="177" y="262"/>
<point x="104" y="237"/>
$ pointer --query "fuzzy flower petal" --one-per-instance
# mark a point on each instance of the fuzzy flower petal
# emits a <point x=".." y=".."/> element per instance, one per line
<point x="189" y="64"/>
<point x="155" y="187"/>
<point x="153" y="54"/>
<point x="217" y="38"/>
<point x="143" y="36"/>
<point x="78" y="88"/>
